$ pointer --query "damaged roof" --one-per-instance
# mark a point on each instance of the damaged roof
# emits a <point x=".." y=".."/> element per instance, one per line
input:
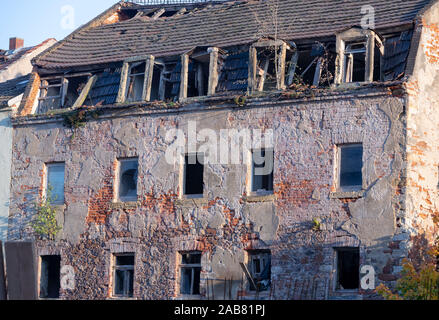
<point x="12" y="88"/>
<point x="217" y="24"/>
<point x="8" y="57"/>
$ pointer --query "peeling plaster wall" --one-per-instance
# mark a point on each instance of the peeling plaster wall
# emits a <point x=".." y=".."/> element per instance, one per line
<point x="423" y="136"/>
<point x="5" y="169"/>
<point x="225" y="222"/>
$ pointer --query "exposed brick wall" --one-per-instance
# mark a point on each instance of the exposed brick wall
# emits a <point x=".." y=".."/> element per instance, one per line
<point x="159" y="225"/>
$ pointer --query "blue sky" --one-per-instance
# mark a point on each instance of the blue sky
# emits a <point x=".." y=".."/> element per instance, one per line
<point x="38" y="20"/>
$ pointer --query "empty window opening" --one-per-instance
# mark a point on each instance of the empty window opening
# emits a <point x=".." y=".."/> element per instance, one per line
<point x="128" y="172"/>
<point x="309" y="66"/>
<point x="348" y="268"/>
<point x="198" y="75"/>
<point x="357" y="52"/>
<point x="123" y="275"/>
<point x="351" y="165"/>
<point x="136" y="82"/>
<point x="259" y="265"/>
<point x="162" y="85"/>
<point x="266" y="79"/>
<point x="55" y="182"/>
<point x="190" y="271"/>
<point x="262" y="170"/>
<point x="355" y="62"/>
<point x="74" y="89"/>
<point x="50" y="276"/>
<point x="194" y="174"/>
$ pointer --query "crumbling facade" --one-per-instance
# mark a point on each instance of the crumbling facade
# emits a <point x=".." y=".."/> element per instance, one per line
<point x="15" y="67"/>
<point x="349" y="111"/>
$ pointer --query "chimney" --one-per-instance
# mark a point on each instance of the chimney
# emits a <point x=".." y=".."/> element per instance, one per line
<point x="15" y="43"/>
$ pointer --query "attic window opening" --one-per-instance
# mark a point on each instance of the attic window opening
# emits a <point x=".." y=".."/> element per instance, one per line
<point x="266" y="70"/>
<point x="162" y="84"/>
<point x="360" y="53"/>
<point x="62" y="92"/>
<point x="199" y="72"/>
<point x="198" y="76"/>
<point x="308" y="66"/>
<point x="267" y="65"/>
<point x="135" y="83"/>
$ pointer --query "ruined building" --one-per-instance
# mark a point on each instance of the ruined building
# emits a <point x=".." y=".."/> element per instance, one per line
<point x="348" y="91"/>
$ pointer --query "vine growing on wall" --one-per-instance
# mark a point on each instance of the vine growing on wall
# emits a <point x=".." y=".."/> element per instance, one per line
<point x="44" y="223"/>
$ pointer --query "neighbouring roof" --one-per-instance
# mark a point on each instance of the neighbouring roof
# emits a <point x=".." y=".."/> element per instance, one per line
<point x="12" y="88"/>
<point x="8" y="57"/>
<point x="221" y="25"/>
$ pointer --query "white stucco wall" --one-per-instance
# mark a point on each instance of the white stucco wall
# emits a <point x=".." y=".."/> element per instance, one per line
<point x="5" y="169"/>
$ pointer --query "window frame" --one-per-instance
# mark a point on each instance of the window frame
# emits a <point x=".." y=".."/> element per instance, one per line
<point x="46" y="182"/>
<point x="371" y="41"/>
<point x="191" y="266"/>
<point x="126" y="73"/>
<point x="260" y="255"/>
<point x="212" y="82"/>
<point x="63" y="90"/>
<point x="117" y="196"/>
<point x="251" y="172"/>
<point x="125" y="269"/>
<point x="253" y="84"/>
<point x="353" y="188"/>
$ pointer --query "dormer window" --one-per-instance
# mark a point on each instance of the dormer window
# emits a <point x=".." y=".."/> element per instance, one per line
<point x="199" y="75"/>
<point x="267" y="65"/>
<point x="360" y="53"/>
<point x="163" y="82"/>
<point x="136" y="78"/>
<point x="61" y="92"/>
<point x="136" y="82"/>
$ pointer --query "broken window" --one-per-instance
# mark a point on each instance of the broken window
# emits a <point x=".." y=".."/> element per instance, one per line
<point x="128" y="172"/>
<point x="309" y="65"/>
<point x="51" y="92"/>
<point x="198" y="75"/>
<point x="55" y="182"/>
<point x="194" y="174"/>
<point x="259" y="266"/>
<point x="262" y="170"/>
<point x="50" y="276"/>
<point x="359" y="56"/>
<point x="162" y="84"/>
<point x="190" y="271"/>
<point x="123" y="275"/>
<point x="60" y="92"/>
<point x="266" y="70"/>
<point x="135" y="82"/>
<point x="348" y="268"/>
<point x="267" y="65"/>
<point x="351" y="165"/>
